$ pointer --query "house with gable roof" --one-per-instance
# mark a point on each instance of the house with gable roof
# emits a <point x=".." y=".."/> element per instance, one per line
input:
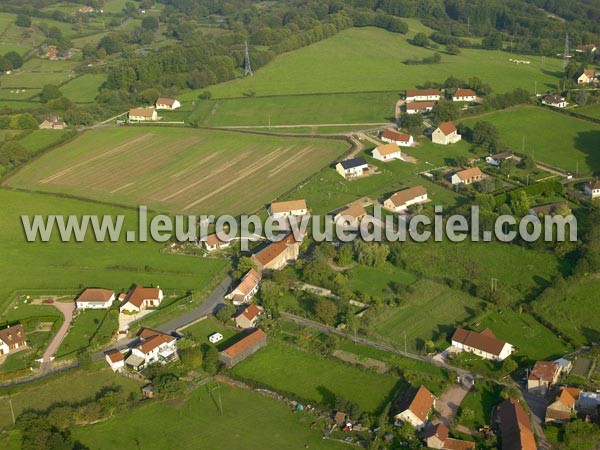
<point x="445" y="134"/>
<point x="415" y="408"/>
<point x="484" y="344"/>
<point x="141" y="298"/>
<point x="245" y="291"/>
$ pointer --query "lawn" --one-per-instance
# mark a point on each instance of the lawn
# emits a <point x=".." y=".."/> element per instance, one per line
<point x="565" y="142"/>
<point x="37" y="72"/>
<point x="73" y="265"/>
<point x="249" y="420"/>
<point x="372" y="59"/>
<point x="179" y="169"/>
<point x="41" y="139"/>
<point x="89" y="327"/>
<point x="71" y="386"/>
<point x="374" y="281"/>
<point x="592" y="111"/>
<point x="202" y="330"/>
<point x="315" y="378"/>
<point x="444" y="307"/>
<point x="83" y="89"/>
<point x="480" y="400"/>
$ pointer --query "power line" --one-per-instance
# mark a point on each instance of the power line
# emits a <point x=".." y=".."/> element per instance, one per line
<point x="566" y="54"/>
<point x="247" y="66"/>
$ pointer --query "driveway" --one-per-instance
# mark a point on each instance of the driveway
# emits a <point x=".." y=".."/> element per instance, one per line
<point x="66" y="309"/>
<point x="449" y="402"/>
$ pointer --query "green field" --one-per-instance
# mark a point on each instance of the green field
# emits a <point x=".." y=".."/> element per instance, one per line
<point x="97" y="326"/>
<point x="374" y="281"/>
<point x="316" y="378"/>
<point x="201" y="330"/>
<point x="74" y="265"/>
<point x="592" y="111"/>
<point x="550" y="137"/>
<point x="372" y="59"/>
<point x="249" y="420"/>
<point x="431" y="312"/>
<point x="481" y="400"/>
<point x="83" y="89"/>
<point x="41" y="139"/>
<point x="37" y="72"/>
<point x="179" y="169"/>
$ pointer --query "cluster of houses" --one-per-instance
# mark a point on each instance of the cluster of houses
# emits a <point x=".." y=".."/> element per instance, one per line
<point x="138" y="299"/>
<point x="423" y="100"/>
<point x="151" y="347"/>
<point x="148" y="114"/>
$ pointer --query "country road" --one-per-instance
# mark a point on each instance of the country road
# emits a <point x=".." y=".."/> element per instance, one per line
<point x="305" y="125"/>
<point x="67" y="310"/>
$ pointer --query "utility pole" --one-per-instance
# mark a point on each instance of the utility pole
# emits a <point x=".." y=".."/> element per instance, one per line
<point x="494" y="284"/>
<point x="405" y="346"/>
<point x="566" y="54"/>
<point x="12" y="411"/>
<point x="523" y="145"/>
<point x="577" y="169"/>
<point x="535" y="87"/>
<point x="247" y="66"/>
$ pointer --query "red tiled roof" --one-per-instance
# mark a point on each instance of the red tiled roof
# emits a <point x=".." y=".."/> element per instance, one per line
<point x="95" y="296"/>
<point x="291" y="205"/>
<point x="419" y="106"/>
<point x="464" y="93"/>
<point x="485" y="341"/>
<point x="248" y="282"/>
<point x="245" y="343"/>
<point x="213" y="239"/>
<point x="250" y="312"/>
<point x="401" y="197"/>
<point x="467" y="174"/>
<point x="544" y="371"/>
<point x="447" y="128"/>
<point x="152" y="339"/>
<point x="515" y="426"/>
<point x="165" y="101"/>
<point x="422" y="92"/>
<point x="138" y="294"/>
<point x="458" y="444"/>
<point x="115" y="356"/>
<point x="422" y="403"/>
<point x="395" y="135"/>
<point x="268" y="254"/>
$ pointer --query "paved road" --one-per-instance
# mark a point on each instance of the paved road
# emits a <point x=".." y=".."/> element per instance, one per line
<point x="306" y="125"/>
<point x="66" y="309"/>
<point x="537" y="404"/>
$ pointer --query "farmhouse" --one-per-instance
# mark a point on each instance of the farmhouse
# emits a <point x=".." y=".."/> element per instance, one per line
<point x="415" y="409"/>
<point x="554" y="100"/>
<point x="514" y="425"/>
<point x="497" y="158"/>
<point x="587" y="76"/>
<point x="350" y="168"/>
<point x="353" y="214"/>
<point x="592" y="189"/>
<point x="422" y="95"/>
<point x="464" y="95"/>
<point x="394" y="137"/>
<point x="167" y="103"/>
<point x="436" y="436"/>
<point x="142" y="114"/>
<point x="543" y="376"/>
<point x="154" y="347"/>
<point x="212" y="243"/>
<point x="278" y="254"/>
<point x="562" y="409"/>
<point x="387" y="152"/>
<point x="281" y="210"/>
<point x="52" y="122"/>
<point x="248" y="317"/>
<point x="582" y="48"/>
<point x="243" y="348"/>
<point x="12" y="339"/>
<point x="419" y="107"/>
<point x="401" y="200"/>
<point x="245" y="291"/>
<point x="95" y="299"/>
<point x="467" y="176"/>
<point x="115" y="360"/>
<point x="140" y="298"/>
<point x="484" y="344"/>
<point x="445" y="134"/>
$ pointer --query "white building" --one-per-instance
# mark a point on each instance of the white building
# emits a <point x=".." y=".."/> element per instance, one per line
<point x="445" y="134"/>
<point x="12" y="339"/>
<point x="422" y="95"/>
<point x="554" y="100"/>
<point x="467" y="176"/>
<point x="154" y="347"/>
<point x="95" y="299"/>
<point x="141" y="298"/>
<point x="484" y="344"/>
<point x="351" y="168"/>
<point x="415" y="410"/>
<point x="387" y="152"/>
<point x="419" y="107"/>
<point x="281" y="210"/>
<point x="168" y="104"/>
<point x="247" y="289"/>
<point x="464" y="95"/>
<point x="115" y="360"/>
<point x="592" y="189"/>
<point x="142" y="114"/>
<point x="395" y="137"/>
<point x="402" y="200"/>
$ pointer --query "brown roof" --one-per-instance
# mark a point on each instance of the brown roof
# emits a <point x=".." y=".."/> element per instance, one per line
<point x="554" y="99"/>
<point x="165" y="101"/>
<point x="485" y="341"/>
<point x="458" y="444"/>
<point x="557" y="414"/>
<point x="115" y="356"/>
<point x="418" y="106"/>
<point x="422" y="403"/>
<point x="401" y="197"/>
<point x="467" y="174"/>
<point x="575" y="392"/>
<point x="138" y="294"/>
<point x="590" y="73"/>
<point x="387" y="149"/>
<point x="250" y="312"/>
<point x="566" y="398"/>
<point x="464" y="93"/>
<point x="143" y="112"/>
<point x="503" y="155"/>
<point x="152" y="339"/>
<point x="14" y="333"/>
<point x="248" y="282"/>
<point x="544" y="371"/>
<point x="585" y="47"/>
<point x="95" y="296"/>
<point x="279" y="207"/>
<point x="354" y="211"/>
<point x="395" y="135"/>
<point x="213" y="239"/>
<point x="447" y="128"/>
<point x="549" y="208"/>
<point x="594" y="184"/>
<point x="268" y="254"/>
<point x="422" y="92"/>
<point x="245" y="343"/>
<point x="515" y="426"/>
<point x="438" y="430"/>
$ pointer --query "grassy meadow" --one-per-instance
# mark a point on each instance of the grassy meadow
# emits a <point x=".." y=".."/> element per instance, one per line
<point x="178" y="169"/>
<point x="96" y="325"/>
<point x="83" y="89"/>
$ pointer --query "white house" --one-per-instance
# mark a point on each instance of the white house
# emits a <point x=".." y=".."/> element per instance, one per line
<point x="215" y="337"/>
<point x="497" y="158"/>
<point x="415" y="410"/>
<point x="212" y="243"/>
<point x="12" y="339"/>
<point x="167" y="103"/>
<point x="141" y="298"/>
<point x="142" y="114"/>
<point x="351" y="168"/>
<point x="582" y="48"/>
<point x="281" y="210"/>
<point x="554" y="100"/>
<point x="592" y="189"/>
<point x="586" y="77"/>
<point x="154" y="347"/>
<point x="387" y="152"/>
<point x="467" y="176"/>
<point x="248" y="317"/>
<point x="464" y="95"/>
<point x="394" y="137"/>
<point x="95" y="299"/>
<point x="445" y="134"/>
<point x="115" y="360"/>
<point x="484" y="344"/>
<point x="350" y="216"/>
<point x="422" y="95"/>
<point x="419" y="107"/>
<point x="402" y="200"/>
<point x="245" y="291"/>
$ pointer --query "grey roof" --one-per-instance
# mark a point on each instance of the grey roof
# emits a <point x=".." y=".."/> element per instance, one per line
<point x="352" y="163"/>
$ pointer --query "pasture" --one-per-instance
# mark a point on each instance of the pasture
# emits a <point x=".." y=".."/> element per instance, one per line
<point x="445" y="309"/>
<point x="592" y="111"/>
<point x="59" y="265"/>
<point x="177" y="169"/>
<point x="94" y="327"/>
<point x="83" y="89"/>
<point x="316" y="378"/>
<point x="551" y="137"/>
<point x="330" y="66"/>
<point x="249" y="420"/>
<point x="374" y="281"/>
<point x="38" y="140"/>
<point x="37" y="72"/>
